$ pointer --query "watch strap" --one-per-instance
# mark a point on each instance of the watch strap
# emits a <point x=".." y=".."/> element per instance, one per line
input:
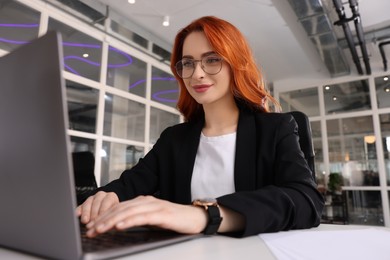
<point x="214" y="220"/>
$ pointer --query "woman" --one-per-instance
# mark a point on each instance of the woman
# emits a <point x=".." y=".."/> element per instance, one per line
<point x="231" y="149"/>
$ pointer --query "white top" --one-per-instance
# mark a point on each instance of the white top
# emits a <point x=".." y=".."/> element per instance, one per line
<point x="213" y="173"/>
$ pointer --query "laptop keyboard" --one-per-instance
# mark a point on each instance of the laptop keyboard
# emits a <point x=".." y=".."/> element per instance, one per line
<point x="115" y="239"/>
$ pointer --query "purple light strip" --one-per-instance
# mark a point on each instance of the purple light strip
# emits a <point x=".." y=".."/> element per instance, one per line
<point x="71" y="69"/>
<point x="94" y="46"/>
<point x="72" y="44"/>
<point x="130" y="59"/>
<point x="12" y="41"/>
<point x="153" y="78"/>
<point x="157" y="97"/>
<point x="71" y="57"/>
<point x="19" y="25"/>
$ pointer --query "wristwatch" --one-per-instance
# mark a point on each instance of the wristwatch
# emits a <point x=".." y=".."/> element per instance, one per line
<point x="211" y="206"/>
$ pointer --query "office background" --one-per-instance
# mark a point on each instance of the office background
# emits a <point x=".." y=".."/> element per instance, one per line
<point x="121" y="95"/>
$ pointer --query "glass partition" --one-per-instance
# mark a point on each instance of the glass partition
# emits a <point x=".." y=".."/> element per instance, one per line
<point x="82" y="53"/>
<point x="347" y="97"/>
<point x="382" y="86"/>
<point x="82" y="106"/>
<point x="318" y="151"/>
<point x="124" y="118"/>
<point x="352" y="150"/>
<point x="365" y="207"/>
<point x="115" y="158"/>
<point x="304" y="100"/>
<point x="159" y="120"/>
<point x="126" y="72"/>
<point x="165" y="89"/>
<point x="384" y="120"/>
<point x="80" y="144"/>
<point x="19" y="24"/>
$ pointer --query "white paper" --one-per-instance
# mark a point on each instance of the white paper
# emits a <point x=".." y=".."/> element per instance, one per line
<point x="361" y="244"/>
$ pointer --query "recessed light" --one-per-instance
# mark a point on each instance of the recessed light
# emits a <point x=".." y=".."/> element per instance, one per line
<point x="386" y="78"/>
<point x="85" y="55"/>
<point x="166" y="21"/>
<point x="334" y="98"/>
<point x="131" y="1"/>
<point x="327" y="87"/>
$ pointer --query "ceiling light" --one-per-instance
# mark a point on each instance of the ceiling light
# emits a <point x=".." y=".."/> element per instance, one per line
<point x="334" y="98"/>
<point x="387" y="89"/>
<point x="131" y="1"/>
<point x="166" y="21"/>
<point x="370" y="139"/>
<point x="327" y="87"/>
<point x="85" y="55"/>
<point x="385" y="78"/>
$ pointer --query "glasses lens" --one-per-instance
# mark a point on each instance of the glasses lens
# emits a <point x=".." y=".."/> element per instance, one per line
<point x="185" y="68"/>
<point x="212" y="64"/>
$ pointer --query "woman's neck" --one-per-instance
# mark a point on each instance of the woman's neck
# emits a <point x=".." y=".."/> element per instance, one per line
<point x="220" y="120"/>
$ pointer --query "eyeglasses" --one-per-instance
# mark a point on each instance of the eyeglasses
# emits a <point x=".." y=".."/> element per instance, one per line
<point x="209" y="64"/>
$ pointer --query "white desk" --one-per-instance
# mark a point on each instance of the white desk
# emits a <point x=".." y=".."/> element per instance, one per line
<point x="207" y="248"/>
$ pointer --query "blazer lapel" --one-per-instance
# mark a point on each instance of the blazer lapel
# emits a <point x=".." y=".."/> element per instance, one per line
<point x="245" y="161"/>
<point x="188" y="150"/>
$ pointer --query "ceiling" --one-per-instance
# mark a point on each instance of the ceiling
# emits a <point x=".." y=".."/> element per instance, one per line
<point x="279" y="41"/>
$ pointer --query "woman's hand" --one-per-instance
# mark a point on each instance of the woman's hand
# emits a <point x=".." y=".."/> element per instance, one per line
<point x="141" y="211"/>
<point x="96" y="205"/>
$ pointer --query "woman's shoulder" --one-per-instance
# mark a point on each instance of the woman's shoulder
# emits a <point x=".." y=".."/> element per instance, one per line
<point x="274" y="116"/>
<point x="179" y="129"/>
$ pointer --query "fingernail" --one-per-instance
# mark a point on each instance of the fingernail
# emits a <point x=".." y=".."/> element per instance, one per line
<point x="90" y="224"/>
<point x="100" y="227"/>
<point x="90" y="232"/>
<point x="120" y="224"/>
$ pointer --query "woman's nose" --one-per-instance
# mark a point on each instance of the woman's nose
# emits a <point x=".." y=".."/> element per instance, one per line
<point x="198" y="70"/>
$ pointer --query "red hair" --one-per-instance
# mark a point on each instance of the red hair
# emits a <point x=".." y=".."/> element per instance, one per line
<point x="248" y="85"/>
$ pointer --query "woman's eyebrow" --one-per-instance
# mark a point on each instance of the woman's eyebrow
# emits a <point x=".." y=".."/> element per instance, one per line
<point x="208" y="53"/>
<point x="203" y="55"/>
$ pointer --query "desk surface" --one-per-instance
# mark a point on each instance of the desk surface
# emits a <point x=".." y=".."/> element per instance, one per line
<point x="207" y="248"/>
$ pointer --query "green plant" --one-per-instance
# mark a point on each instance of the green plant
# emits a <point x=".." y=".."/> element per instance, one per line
<point x="335" y="182"/>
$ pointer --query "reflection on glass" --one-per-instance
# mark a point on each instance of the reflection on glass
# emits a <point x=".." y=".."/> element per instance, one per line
<point x="19" y="24"/>
<point x="116" y="158"/>
<point x="124" y="118"/>
<point x="385" y="130"/>
<point x="319" y="156"/>
<point x="128" y="34"/>
<point x="82" y="107"/>
<point x="304" y="100"/>
<point x="382" y="86"/>
<point x="365" y="207"/>
<point x="347" y="97"/>
<point x="352" y="150"/>
<point x="80" y="144"/>
<point x="126" y="72"/>
<point x="82" y="53"/>
<point x="165" y="89"/>
<point x="162" y="53"/>
<point x="159" y="120"/>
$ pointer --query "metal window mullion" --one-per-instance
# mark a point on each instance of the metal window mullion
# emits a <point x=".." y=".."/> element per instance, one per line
<point x="100" y="112"/>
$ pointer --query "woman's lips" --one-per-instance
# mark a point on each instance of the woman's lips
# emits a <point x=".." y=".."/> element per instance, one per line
<point x="201" y="88"/>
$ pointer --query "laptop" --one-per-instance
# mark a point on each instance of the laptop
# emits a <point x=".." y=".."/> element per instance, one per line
<point x="37" y="192"/>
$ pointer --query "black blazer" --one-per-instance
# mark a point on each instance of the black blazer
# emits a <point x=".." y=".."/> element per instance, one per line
<point x="274" y="186"/>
